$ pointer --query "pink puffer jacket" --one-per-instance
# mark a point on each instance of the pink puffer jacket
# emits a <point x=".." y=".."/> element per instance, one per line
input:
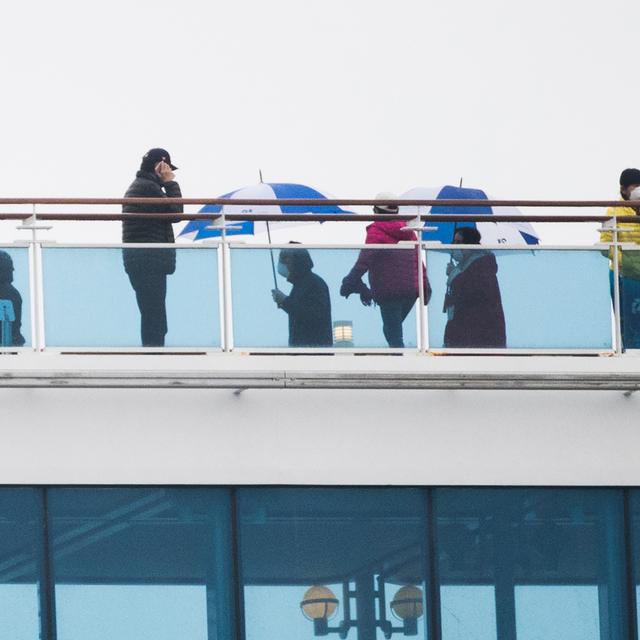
<point x="392" y="272"/>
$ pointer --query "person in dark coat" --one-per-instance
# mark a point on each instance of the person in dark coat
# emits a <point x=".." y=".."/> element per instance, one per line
<point x="10" y="293"/>
<point x="308" y="304"/>
<point x="473" y="303"/>
<point x="148" y="268"/>
<point x="393" y="275"/>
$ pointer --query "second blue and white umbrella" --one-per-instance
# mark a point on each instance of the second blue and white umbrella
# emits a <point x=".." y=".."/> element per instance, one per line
<point x="491" y="232"/>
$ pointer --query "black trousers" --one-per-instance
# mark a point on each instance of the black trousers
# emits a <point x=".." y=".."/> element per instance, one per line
<point x="151" y="291"/>
<point x="394" y="311"/>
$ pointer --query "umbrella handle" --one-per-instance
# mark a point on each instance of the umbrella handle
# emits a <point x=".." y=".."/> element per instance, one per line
<point x="273" y="264"/>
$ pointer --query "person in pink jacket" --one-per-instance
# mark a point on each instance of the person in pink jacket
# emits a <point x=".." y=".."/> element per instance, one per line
<point x="393" y="274"/>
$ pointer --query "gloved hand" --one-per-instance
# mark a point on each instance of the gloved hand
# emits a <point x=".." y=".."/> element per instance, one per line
<point x="353" y="285"/>
<point x="365" y="296"/>
<point x="348" y="287"/>
<point x="278" y="296"/>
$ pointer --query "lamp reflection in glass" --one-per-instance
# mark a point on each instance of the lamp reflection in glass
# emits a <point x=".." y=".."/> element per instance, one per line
<point x="343" y="333"/>
<point x="407" y="606"/>
<point x="319" y="604"/>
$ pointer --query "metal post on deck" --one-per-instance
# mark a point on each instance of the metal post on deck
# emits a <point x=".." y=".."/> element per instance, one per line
<point x="616" y="290"/>
<point x="422" y="345"/>
<point x="226" y="340"/>
<point x="35" y="259"/>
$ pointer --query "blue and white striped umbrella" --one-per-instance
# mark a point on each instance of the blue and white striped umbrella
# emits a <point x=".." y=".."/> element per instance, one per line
<point x="267" y="190"/>
<point x="491" y="232"/>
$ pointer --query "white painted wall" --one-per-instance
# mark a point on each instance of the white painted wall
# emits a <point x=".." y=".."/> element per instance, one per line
<point x="286" y="436"/>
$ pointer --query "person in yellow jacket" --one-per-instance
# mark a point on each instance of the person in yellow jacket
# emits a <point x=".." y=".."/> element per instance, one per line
<point x="628" y="261"/>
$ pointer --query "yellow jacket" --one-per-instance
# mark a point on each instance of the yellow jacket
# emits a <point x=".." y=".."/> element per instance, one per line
<point x="628" y="232"/>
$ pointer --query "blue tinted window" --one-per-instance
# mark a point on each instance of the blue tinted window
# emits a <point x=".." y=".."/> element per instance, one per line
<point x="21" y="530"/>
<point x="259" y="322"/>
<point x="335" y="555"/>
<point x="142" y="563"/>
<point x="89" y="300"/>
<point x="531" y="563"/>
<point x="553" y="299"/>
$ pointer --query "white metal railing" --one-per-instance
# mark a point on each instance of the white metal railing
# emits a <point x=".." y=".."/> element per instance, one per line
<point x="226" y="249"/>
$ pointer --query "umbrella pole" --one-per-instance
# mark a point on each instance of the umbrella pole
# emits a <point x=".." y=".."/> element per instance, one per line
<point x="273" y="263"/>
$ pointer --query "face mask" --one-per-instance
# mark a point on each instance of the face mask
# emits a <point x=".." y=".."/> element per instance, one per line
<point x="635" y="194"/>
<point x="283" y="270"/>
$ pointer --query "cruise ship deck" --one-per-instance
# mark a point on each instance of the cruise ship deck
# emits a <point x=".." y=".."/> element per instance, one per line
<point x="232" y="486"/>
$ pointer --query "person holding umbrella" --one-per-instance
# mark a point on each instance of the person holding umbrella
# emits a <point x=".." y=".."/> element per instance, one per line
<point x="308" y="305"/>
<point x="148" y="268"/>
<point x="393" y="274"/>
<point x="473" y="304"/>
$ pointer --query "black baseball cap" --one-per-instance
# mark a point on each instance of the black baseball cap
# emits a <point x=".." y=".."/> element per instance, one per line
<point x="156" y="155"/>
<point x="629" y="177"/>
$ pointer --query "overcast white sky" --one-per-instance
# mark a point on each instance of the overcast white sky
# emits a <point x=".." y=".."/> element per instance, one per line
<point x="524" y="99"/>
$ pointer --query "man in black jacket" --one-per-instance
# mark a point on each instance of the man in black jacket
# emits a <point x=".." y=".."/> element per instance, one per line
<point x="148" y="268"/>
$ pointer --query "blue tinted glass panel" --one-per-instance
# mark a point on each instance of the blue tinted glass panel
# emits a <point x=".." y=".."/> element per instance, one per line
<point x="635" y="543"/>
<point x="15" y="297"/>
<point x="564" y="612"/>
<point x="317" y="315"/>
<point x="20" y="563"/>
<point x="531" y="563"/>
<point x="629" y="298"/>
<point x="142" y="563"/>
<point x="355" y="543"/>
<point x="468" y="611"/>
<point x="536" y="300"/>
<point x="89" y="300"/>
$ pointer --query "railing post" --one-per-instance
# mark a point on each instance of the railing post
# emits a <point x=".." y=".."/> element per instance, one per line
<point x="422" y="338"/>
<point x="226" y="315"/>
<point x="35" y="265"/>
<point x="616" y="290"/>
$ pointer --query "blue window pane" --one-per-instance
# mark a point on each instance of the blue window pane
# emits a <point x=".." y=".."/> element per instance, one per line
<point x="316" y="561"/>
<point x="20" y="562"/>
<point x="15" y="297"/>
<point x="258" y="322"/>
<point x="531" y="563"/>
<point x="142" y="563"/>
<point x="468" y="611"/>
<point x="565" y="612"/>
<point x="539" y="299"/>
<point x="89" y="300"/>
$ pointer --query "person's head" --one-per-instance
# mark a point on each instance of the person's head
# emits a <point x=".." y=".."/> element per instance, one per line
<point x="6" y="268"/>
<point x="466" y="235"/>
<point x="293" y="263"/>
<point x="629" y="180"/>
<point x="153" y="157"/>
<point x="385" y="208"/>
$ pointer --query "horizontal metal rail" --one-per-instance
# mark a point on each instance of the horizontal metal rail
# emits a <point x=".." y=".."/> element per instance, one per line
<point x="627" y="382"/>
<point x="316" y="202"/>
<point x="314" y="217"/>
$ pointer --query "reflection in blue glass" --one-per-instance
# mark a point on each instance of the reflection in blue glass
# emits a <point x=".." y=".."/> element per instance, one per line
<point x="553" y="559"/>
<point x="551" y="299"/>
<point x="100" y="612"/>
<point x="142" y="563"/>
<point x="20" y="552"/>
<point x="89" y="301"/>
<point x="558" y="612"/>
<point x="258" y="322"/>
<point x="468" y="611"/>
<point x="362" y="545"/>
<point x="15" y="299"/>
